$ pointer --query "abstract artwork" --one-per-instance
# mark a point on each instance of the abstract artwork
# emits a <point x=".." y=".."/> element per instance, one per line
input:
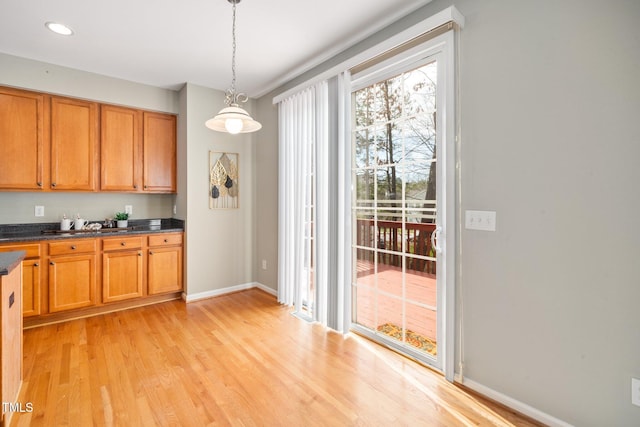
<point x="223" y="180"/>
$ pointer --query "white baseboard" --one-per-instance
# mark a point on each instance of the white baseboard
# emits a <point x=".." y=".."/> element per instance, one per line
<point x="266" y="289"/>
<point x="223" y="291"/>
<point x="512" y="403"/>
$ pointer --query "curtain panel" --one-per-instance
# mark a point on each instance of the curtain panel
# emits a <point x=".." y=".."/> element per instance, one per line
<point x="302" y="201"/>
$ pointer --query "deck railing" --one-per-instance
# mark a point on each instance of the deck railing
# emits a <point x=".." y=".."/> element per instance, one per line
<point x="388" y="237"/>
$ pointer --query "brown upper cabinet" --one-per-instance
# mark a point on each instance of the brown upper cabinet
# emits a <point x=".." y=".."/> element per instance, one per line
<point x="54" y="143"/>
<point x="159" y="164"/>
<point x="120" y="149"/>
<point x="74" y="144"/>
<point x="22" y="139"/>
<point x="138" y="150"/>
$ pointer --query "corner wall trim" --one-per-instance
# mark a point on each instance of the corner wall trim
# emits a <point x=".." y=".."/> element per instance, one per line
<point x="228" y="290"/>
<point x="512" y="403"/>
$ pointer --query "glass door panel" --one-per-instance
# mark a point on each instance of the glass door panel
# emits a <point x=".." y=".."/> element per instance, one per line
<point x="395" y="286"/>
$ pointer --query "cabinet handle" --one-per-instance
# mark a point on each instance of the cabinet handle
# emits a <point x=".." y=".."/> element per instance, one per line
<point x="52" y="263"/>
<point x="123" y="244"/>
<point x="36" y="264"/>
<point x="73" y="247"/>
<point x="53" y="184"/>
<point x="39" y="184"/>
<point x="150" y="253"/>
<point x="135" y="187"/>
<point x="139" y="253"/>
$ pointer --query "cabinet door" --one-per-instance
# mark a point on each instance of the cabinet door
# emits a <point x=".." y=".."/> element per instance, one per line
<point x="22" y="123"/>
<point x="72" y="282"/>
<point x="159" y="141"/>
<point x="122" y="275"/>
<point x="11" y="339"/>
<point x="74" y="157"/>
<point x="165" y="270"/>
<point x="30" y="287"/>
<point x="120" y="149"/>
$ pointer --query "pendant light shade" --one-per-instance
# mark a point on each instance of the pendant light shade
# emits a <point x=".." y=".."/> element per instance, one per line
<point x="233" y="118"/>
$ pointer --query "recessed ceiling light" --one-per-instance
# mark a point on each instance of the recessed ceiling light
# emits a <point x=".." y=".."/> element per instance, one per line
<point x="59" y="28"/>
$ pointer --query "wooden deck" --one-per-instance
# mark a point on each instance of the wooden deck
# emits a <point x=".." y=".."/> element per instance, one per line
<point x="419" y="290"/>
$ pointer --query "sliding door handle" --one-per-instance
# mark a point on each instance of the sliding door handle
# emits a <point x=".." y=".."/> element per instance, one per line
<point x="435" y="237"/>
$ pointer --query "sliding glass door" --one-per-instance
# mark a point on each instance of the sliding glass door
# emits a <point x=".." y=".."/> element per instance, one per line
<point x="398" y="221"/>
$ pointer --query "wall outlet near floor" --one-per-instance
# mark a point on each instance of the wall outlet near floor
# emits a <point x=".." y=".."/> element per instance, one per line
<point x="128" y="209"/>
<point x="264" y="264"/>
<point x="39" y="211"/>
<point x="635" y="391"/>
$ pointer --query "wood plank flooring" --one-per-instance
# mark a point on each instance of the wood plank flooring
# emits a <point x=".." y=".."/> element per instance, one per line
<point x="235" y="360"/>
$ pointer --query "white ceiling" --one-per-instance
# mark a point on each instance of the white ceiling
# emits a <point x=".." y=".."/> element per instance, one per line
<point x="166" y="43"/>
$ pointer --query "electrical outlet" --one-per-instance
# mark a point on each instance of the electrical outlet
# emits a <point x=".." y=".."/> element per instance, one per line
<point x="480" y="220"/>
<point x="635" y="391"/>
<point x="175" y="209"/>
<point x="39" y="211"/>
<point x="264" y="264"/>
<point x="128" y="209"/>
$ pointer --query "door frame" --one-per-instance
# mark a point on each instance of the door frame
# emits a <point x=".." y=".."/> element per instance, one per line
<point x="441" y="48"/>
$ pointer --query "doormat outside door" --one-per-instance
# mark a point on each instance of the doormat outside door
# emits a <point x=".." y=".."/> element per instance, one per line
<point x="415" y="339"/>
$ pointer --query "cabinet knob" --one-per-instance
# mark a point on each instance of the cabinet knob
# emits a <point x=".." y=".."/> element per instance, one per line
<point x="139" y="253"/>
<point x="73" y="247"/>
<point x="150" y="253"/>
<point x="39" y="184"/>
<point x="123" y="244"/>
<point x="145" y="187"/>
<point x="53" y="184"/>
<point x="135" y="187"/>
<point x="52" y="263"/>
<point x="166" y="240"/>
<point x="36" y="264"/>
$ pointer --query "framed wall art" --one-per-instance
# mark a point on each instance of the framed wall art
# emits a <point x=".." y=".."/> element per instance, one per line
<point x="224" y="190"/>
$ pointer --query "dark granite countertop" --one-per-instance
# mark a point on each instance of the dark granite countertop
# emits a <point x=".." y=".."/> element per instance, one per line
<point x="9" y="261"/>
<point x="10" y="233"/>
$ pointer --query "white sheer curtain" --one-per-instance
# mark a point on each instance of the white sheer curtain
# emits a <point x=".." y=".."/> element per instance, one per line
<point x="302" y="206"/>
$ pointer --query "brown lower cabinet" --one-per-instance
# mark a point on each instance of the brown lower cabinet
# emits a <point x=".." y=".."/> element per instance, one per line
<point x="72" y="274"/>
<point x="122" y="268"/>
<point x="31" y="277"/>
<point x="89" y="273"/>
<point x="10" y="341"/>
<point x="165" y="263"/>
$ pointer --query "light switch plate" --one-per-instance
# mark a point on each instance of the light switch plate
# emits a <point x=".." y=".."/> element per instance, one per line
<point x="480" y="220"/>
<point x="635" y="391"/>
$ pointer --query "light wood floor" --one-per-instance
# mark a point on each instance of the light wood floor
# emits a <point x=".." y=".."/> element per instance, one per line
<point x="240" y="360"/>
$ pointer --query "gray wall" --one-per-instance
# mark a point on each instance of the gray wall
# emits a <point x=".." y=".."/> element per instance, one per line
<point x="220" y="242"/>
<point x="18" y="208"/>
<point x="267" y="193"/>
<point x="549" y="96"/>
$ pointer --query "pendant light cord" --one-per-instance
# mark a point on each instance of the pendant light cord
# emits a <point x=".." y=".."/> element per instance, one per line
<point x="233" y="55"/>
<point x="232" y="98"/>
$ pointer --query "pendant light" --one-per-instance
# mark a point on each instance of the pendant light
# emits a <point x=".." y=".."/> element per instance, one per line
<point x="233" y="118"/>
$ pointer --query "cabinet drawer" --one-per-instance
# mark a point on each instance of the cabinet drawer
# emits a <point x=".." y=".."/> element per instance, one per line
<point x="165" y="239"/>
<point x="33" y="251"/>
<point x="67" y="247"/>
<point x="122" y="243"/>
